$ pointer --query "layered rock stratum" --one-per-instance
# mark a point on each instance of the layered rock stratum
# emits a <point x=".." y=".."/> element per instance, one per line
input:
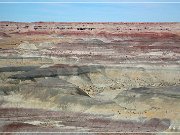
<point x="90" y="77"/>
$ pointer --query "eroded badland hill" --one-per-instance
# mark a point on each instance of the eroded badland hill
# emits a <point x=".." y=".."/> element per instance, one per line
<point x="90" y="77"/>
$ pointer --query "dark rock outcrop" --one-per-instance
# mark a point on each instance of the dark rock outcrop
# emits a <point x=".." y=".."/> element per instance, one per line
<point x="57" y="70"/>
<point x="15" y="69"/>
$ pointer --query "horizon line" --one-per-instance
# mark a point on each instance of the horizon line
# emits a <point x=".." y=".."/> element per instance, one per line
<point x="71" y="2"/>
<point x="86" y="22"/>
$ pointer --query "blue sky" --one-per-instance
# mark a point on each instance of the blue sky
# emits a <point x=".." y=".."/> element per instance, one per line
<point x="83" y="12"/>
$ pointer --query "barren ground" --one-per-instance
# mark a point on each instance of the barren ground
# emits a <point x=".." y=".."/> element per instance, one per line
<point x="90" y="77"/>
